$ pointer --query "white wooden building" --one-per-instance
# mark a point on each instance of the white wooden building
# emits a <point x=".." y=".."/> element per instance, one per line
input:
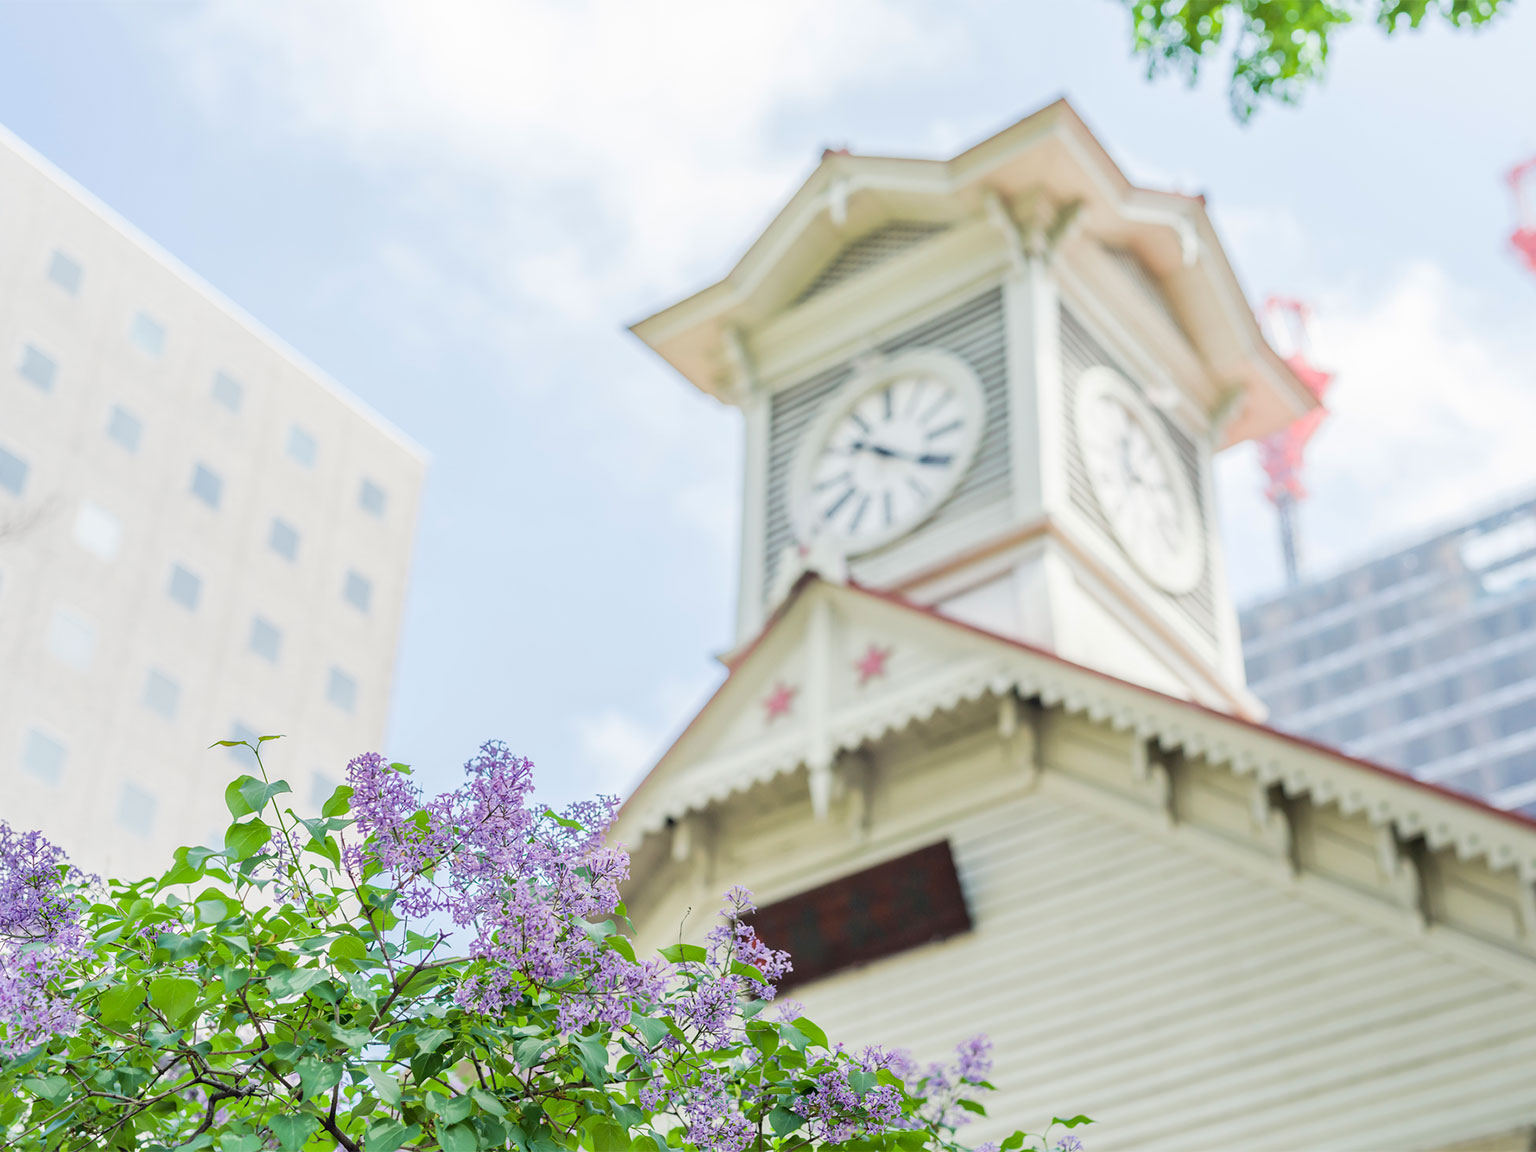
<point x="987" y="676"/>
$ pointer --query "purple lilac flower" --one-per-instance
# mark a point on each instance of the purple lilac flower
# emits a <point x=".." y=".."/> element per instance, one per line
<point x="40" y="935"/>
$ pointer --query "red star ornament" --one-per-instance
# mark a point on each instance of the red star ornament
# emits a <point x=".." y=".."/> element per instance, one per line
<point x="871" y="664"/>
<point x="779" y="701"/>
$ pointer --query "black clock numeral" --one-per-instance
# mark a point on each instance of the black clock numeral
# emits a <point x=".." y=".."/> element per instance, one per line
<point x="844" y="477"/>
<point x="858" y="514"/>
<point x="889" y="514"/>
<point x="935" y="459"/>
<point x="841" y="500"/>
<point x="888" y="399"/>
<point x="952" y="426"/>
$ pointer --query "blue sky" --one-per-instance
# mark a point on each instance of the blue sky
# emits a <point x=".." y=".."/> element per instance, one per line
<point x="455" y="208"/>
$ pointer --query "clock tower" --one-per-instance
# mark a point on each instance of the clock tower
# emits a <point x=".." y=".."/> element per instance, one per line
<point x="994" y="385"/>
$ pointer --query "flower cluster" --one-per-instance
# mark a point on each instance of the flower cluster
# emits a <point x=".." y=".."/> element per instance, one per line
<point x="40" y="933"/>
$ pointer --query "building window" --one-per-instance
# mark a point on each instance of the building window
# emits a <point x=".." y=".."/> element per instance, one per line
<point x="42" y="756"/>
<point x="161" y="694"/>
<point x="13" y="473"/>
<point x="227" y="391"/>
<point x="136" y="810"/>
<point x="284" y="539"/>
<point x="206" y="485"/>
<point x="64" y="272"/>
<point x="266" y="639"/>
<point x="148" y="334"/>
<point x="97" y="530"/>
<point x="37" y="367"/>
<point x="185" y="588"/>
<point x="71" y="639"/>
<point x="246" y="733"/>
<point x="358" y="591"/>
<point x="302" y="448"/>
<point x="124" y="427"/>
<point x="341" y="691"/>
<point x="370" y="498"/>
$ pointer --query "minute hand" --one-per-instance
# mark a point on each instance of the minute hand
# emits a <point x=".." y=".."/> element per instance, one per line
<point x="934" y="459"/>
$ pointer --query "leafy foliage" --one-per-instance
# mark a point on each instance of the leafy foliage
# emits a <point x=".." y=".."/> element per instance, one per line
<point x="295" y="990"/>
<point x="1278" y="47"/>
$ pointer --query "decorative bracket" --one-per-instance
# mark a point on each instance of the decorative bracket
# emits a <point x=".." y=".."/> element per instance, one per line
<point x="1401" y="873"/>
<point x="1149" y="770"/>
<point x="1018" y="727"/>
<point x="1272" y="822"/>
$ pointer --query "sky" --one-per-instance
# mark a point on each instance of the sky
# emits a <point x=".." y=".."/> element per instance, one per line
<point x="456" y="208"/>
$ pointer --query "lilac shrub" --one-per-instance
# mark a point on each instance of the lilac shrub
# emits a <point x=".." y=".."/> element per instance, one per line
<point x="412" y="972"/>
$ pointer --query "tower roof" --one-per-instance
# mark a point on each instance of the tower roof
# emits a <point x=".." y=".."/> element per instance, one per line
<point x="1041" y="164"/>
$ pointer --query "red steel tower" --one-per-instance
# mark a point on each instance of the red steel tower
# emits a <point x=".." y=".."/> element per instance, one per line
<point x="1281" y="454"/>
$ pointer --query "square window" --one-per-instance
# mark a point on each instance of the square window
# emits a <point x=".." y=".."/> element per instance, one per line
<point x="97" y="530"/>
<point x="370" y="498"/>
<point x="124" y="427"/>
<point x="147" y="333"/>
<point x="284" y="539"/>
<point x="358" y="591"/>
<point x="161" y="694"/>
<point x="64" y="272"/>
<point x="71" y="639"/>
<point x="266" y="639"/>
<point x="206" y="485"/>
<point x="136" y="809"/>
<point x="248" y="734"/>
<point x="227" y="391"/>
<point x="13" y="473"/>
<point x="342" y="690"/>
<point x="42" y="756"/>
<point x="37" y="367"/>
<point x="302" y="448"/>
<point x="185" y="588"/>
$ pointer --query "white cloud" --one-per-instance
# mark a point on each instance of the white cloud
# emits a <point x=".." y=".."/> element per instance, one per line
<point x="1431" y="418"/>
<point x="641" y="131"/>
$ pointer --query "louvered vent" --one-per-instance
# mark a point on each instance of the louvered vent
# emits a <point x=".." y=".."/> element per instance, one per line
<point x="1145" y="282"/>
<point x="975" y="333"/>
<point x="869" y="250"/>
<point x="1079" y="352"/>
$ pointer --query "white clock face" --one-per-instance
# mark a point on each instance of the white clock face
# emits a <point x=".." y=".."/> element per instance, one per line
<point x="888" y="451"/>
<point x="1138" y="482"/>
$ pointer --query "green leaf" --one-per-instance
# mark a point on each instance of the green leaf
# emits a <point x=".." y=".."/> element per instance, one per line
<point x="609" y="1137"/>
<point x="388" y="1135"/>
<point x="246" y="1143"/>
<point x="292" y="1130"/>
<point x="592" y="1055"/>
<point x="317" y="1076"/>
<point x="455" y="1138"/>
<point x="1014" y="1141"/>
<point x="121" y="1004"/>
<point x="212" y="910"/>
<point x="1072" y="1123"/>
<point x="244" y="840"/>
<point x="812" y="1033"/>
<point x="386" y="1085"/>
<point x="861" y="1081"/>
<point x="258" y="793"/>
<point x="652" y="1030"/>
<point x="174" y="996"/>
<point x="432" y="1040"/>
<point x="286" y="983"/>
<point x="51" y="1088"/>
<point x="354" y="1038"/>
<point x="340" y="802"/>
<point x="794" y="1037"/>
<point x="622" y="946"/>
<point x="347" y="948"/>
<point x="487" y="1102"/>
<point x="783" y="1121"/>
<point x="685" y="952"/>
<point x="180" y="947"/>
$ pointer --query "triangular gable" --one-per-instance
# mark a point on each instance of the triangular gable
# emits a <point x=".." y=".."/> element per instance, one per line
<point x="798" y="695"/>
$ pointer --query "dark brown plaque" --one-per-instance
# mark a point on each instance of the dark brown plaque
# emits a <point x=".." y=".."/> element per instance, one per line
<point x="880" y="911"/>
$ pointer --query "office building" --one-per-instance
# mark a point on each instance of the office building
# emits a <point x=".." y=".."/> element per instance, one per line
<point x="202" y="537"/>
<point x="1423" y="659"/>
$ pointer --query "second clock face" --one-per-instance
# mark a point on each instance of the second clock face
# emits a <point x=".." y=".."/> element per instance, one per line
<point x="1136" y="477"/>
<point x="893" y="452"/>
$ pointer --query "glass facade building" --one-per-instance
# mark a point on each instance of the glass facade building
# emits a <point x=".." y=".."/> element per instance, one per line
<point x="1423" y="660"/>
